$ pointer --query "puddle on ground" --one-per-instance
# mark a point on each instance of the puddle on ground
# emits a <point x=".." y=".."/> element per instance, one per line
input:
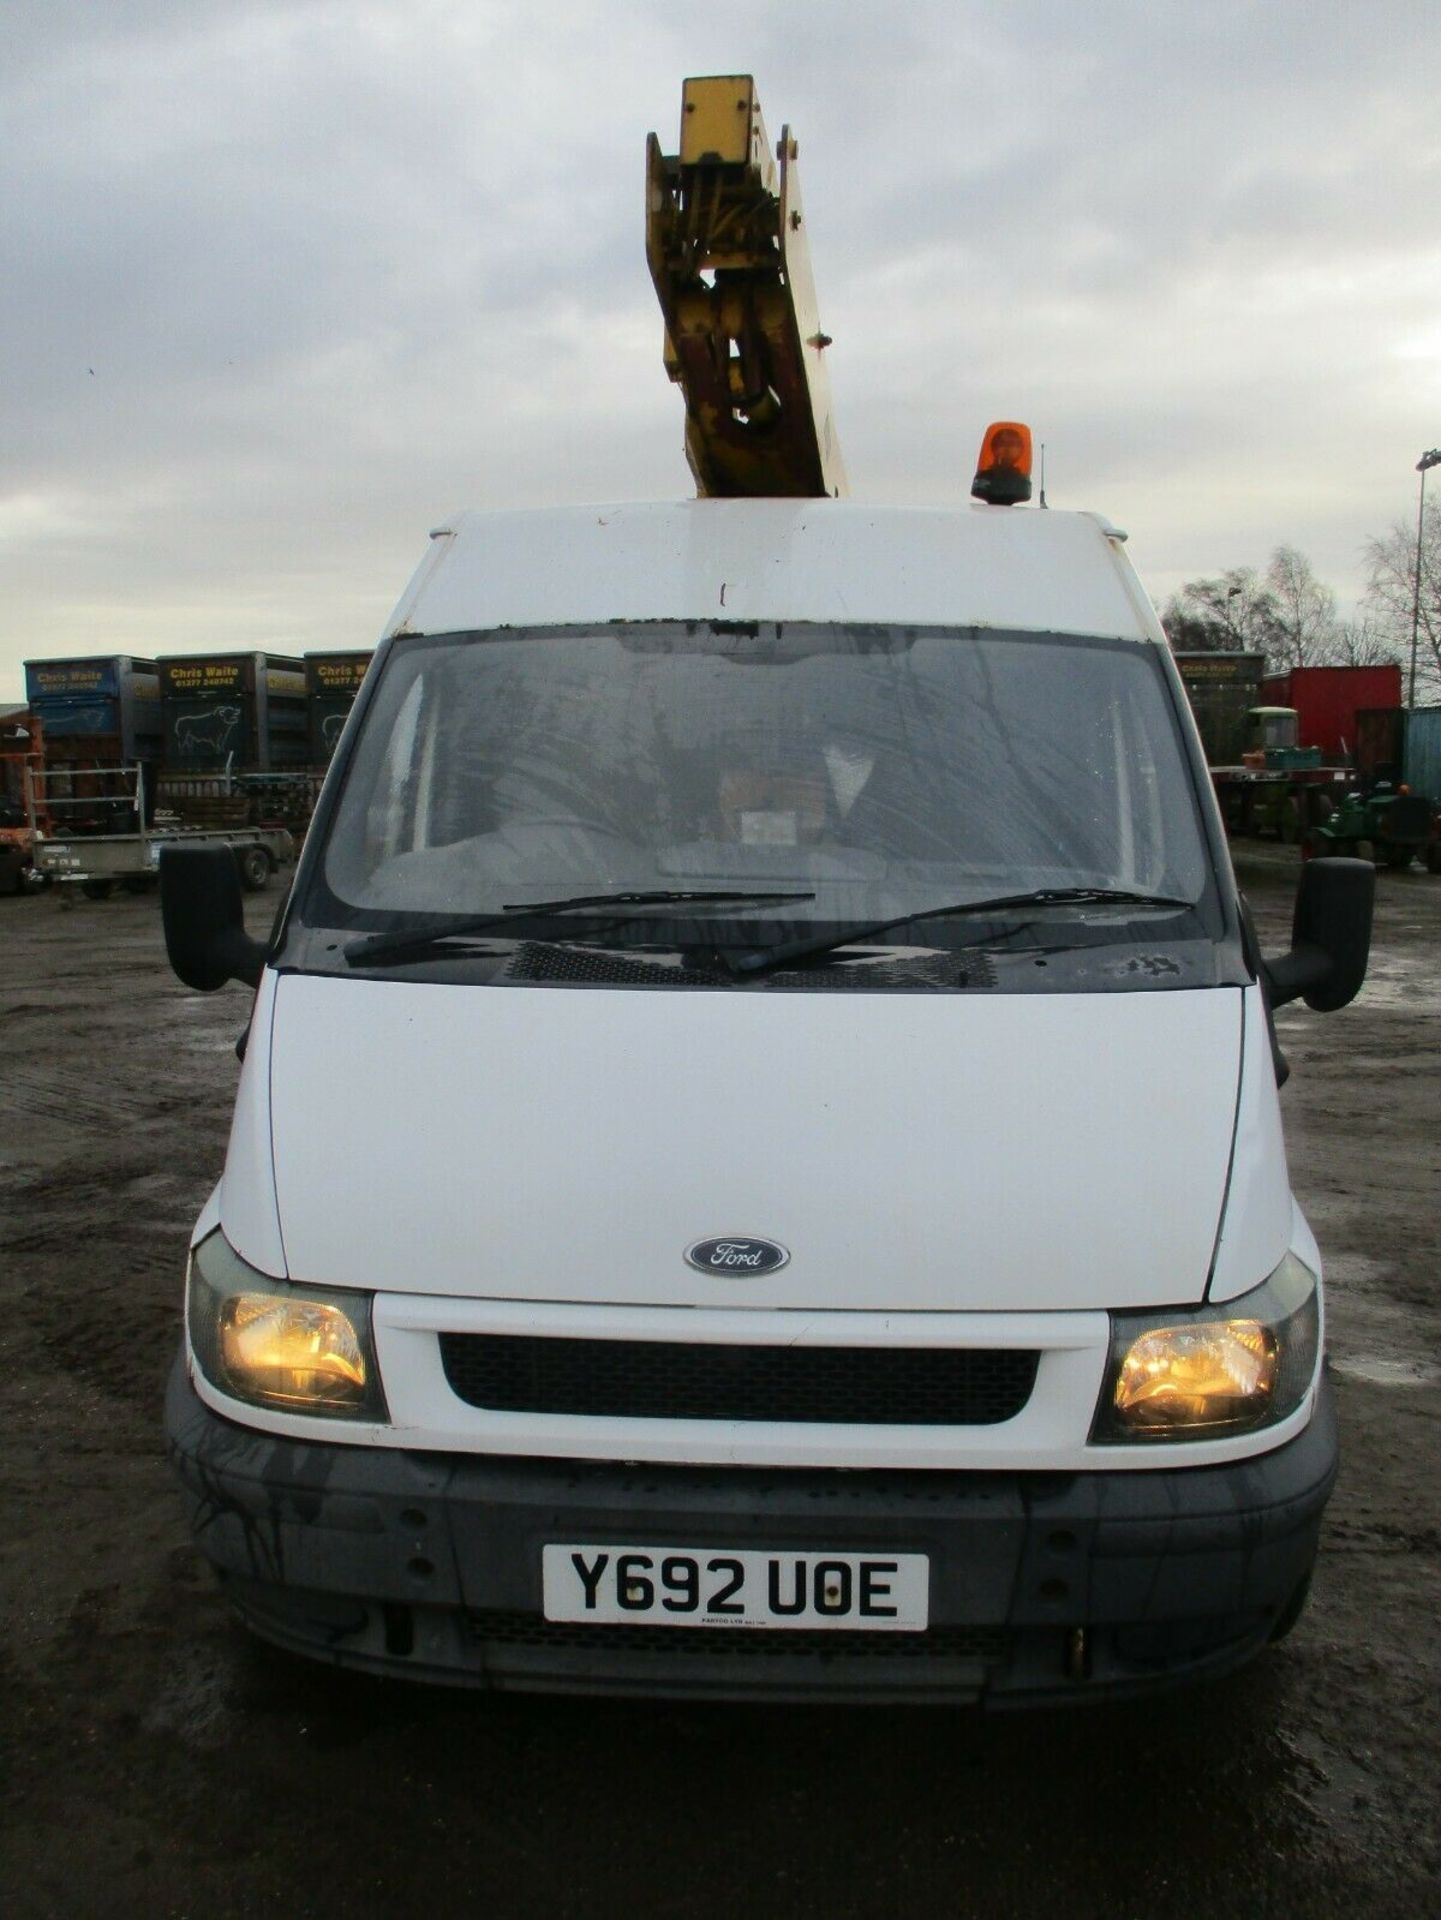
<point x="212" y="1042"/>
<point x="1370" y="1334"/>
<point x="204" y="1034"/>
<point x="1380" y="1372"/>
<point x="1404" y="979"/>
<point x="192" y="1703"/>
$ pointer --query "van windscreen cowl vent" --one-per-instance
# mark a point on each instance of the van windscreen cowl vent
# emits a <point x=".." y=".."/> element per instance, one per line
<point x="536" y="962"/>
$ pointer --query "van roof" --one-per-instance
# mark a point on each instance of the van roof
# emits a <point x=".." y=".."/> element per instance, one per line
<point x="822" y="560"/>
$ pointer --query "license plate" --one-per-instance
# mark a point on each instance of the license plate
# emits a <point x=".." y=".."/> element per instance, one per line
<point x="708" y="1587"/>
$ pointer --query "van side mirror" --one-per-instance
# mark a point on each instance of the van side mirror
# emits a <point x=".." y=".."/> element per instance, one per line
<point x="1330" y="937"/>
<point x="201" y="905"/>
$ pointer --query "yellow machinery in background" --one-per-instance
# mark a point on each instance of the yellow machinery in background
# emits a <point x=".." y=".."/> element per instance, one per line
<point x="727" y="248"/>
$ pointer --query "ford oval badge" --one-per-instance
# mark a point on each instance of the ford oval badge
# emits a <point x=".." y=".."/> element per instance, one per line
<point x="736" y="1256"/>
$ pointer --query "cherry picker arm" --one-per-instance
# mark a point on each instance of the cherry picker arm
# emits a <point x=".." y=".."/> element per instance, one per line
<point x="727" y="248"/>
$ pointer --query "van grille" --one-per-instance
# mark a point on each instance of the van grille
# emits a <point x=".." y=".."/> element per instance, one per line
<point x="663" y="1380"/>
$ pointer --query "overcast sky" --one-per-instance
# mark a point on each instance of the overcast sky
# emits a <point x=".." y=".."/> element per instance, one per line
<point x="283" y="284"/>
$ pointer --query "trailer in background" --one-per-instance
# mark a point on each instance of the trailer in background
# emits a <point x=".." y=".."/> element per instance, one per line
<point x="20" y="749"/>
<point x="1389" y="813"/>
<point x="1265" y="781"/>
<point x="1421" y="756"/>
<point x="332" y="681"/>
<point x="1380" y="745"/>
<point x="95" y="863"/>
<point x="233" y="744"/>
<point x="1287" y="751"/>
<point x="227" y="800"/>
<point x="21" y="754"/>
<point x="1421" y="769"/>
<point x="1328" y="702"/>
<point x="233" y="713"/>
<point x="1223" y="689"/>
<point x="101" y="709"/>
<point x="98" y="713"/>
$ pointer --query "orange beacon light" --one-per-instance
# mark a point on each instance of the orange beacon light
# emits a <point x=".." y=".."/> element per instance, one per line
<point x="1003" y="471"/>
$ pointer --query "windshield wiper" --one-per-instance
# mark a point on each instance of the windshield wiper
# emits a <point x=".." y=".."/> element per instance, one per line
<point x="779" y="956"/>
<point x="375" y="947"/>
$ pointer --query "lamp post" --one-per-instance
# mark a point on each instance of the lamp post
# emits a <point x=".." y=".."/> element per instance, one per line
<point x="1423" y="467"/>
<point x="1231" y="593"/>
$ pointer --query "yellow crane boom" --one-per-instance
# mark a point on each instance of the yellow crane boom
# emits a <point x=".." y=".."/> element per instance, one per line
<point x="727" y="247"/>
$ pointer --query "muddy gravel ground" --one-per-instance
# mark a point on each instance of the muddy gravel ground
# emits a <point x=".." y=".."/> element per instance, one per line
<point x="157" y="1762"/>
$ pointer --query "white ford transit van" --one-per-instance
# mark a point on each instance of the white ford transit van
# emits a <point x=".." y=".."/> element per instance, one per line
<point x="757" y="1167"/>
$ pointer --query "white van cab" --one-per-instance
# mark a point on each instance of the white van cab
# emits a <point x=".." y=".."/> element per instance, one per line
<point x="757" y="1166"/>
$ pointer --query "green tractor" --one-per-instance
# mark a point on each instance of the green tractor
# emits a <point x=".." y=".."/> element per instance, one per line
<point x="1384" y="823"/>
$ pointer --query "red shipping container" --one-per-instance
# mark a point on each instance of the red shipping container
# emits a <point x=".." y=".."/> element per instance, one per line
<point x="1327" y="700"/>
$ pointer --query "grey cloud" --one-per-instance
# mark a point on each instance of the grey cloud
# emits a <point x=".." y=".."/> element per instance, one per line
<point x="339" y="268"/>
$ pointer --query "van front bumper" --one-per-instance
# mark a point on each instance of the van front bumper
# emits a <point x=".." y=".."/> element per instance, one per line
<point x="1044" y="1587"/>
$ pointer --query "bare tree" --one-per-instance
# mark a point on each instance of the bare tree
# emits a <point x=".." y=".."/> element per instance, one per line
<point x="1191" y="632"/>
<point x="1231" y="614"/>
<point x="1290" y="616"/>
<point x="1303" y="626"/>
<point x="1362" y="643"/>
<point x="1285" y="613"/>
<point x="1391" y="596"/>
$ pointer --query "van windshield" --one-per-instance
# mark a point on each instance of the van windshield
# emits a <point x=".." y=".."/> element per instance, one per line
<point x="871" y="770"/>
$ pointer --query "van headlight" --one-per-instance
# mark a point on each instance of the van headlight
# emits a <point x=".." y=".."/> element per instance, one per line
<point x="296" y="1349"/>
<point x="1205" y="1372"/>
